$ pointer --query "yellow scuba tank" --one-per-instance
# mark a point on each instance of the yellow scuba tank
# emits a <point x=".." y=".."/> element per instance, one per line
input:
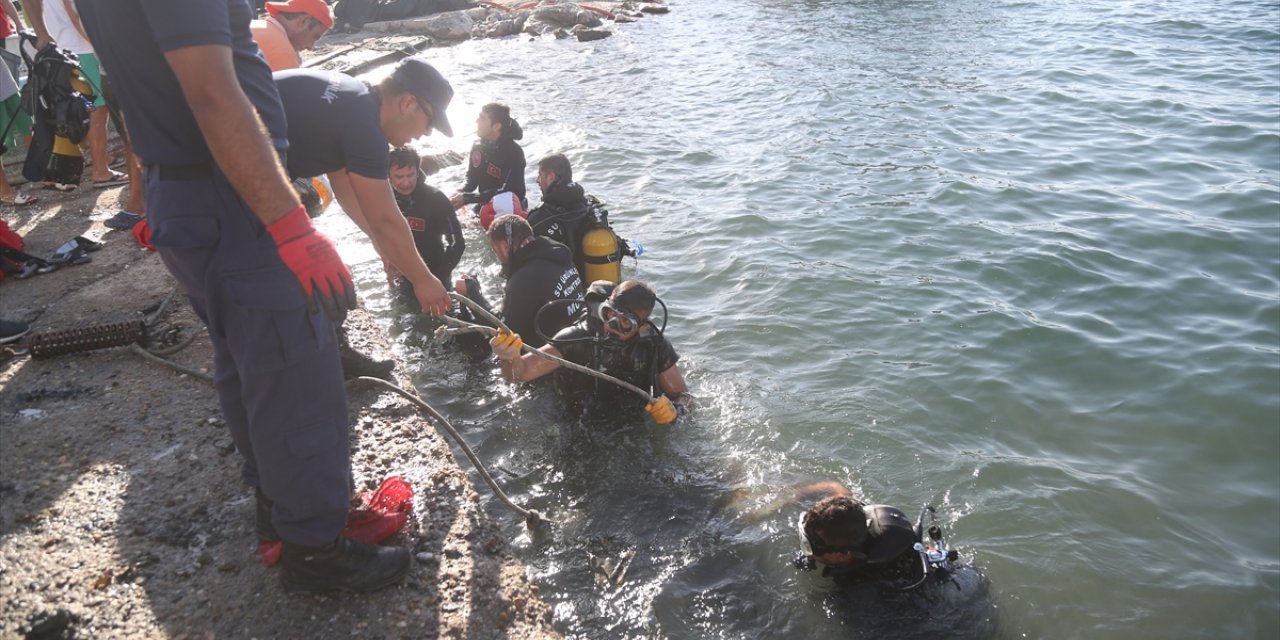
<point x="66" y="164"/>
<point x="602" y="255"/>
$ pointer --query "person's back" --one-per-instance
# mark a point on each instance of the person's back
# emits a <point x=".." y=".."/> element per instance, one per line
<point x="540" y="271"/>
<point x="333" y="124"/>
<point x="563" y="216"/>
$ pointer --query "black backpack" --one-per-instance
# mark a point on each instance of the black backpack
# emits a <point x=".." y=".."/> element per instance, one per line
<point x="57" y="108"/>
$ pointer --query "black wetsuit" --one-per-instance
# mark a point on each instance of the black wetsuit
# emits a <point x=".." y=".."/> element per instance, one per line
<point x="539" y="272"/>
<point x="563" y="216"/>
<point x="435" y="228"/>
<point x="639" y="361"/>
<point x="495" y="167"/>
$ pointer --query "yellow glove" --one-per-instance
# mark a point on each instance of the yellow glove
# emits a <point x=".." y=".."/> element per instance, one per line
<point x="662" y="410"/>
<point x="506" y="345"/>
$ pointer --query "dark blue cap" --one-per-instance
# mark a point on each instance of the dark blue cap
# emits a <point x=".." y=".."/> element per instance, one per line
<point x="426" y="84"/>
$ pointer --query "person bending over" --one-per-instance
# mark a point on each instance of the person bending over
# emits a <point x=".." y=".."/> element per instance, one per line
<point x="496" y="171"/>
<point x="615" y="337"/>
<point x="538" y="270"/>
<point x="343" y="128"/>
<point x="432" y="220"/>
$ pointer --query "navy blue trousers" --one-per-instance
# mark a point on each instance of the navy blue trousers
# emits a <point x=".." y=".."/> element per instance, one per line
<point x="276" y="367"/>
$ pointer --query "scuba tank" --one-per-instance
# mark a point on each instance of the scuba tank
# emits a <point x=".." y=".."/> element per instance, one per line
<point x="602" y="255"/>
<point x="602" y="249"/>
<point x="59" y="101"/>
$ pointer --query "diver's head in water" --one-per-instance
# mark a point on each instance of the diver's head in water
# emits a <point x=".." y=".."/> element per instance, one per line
<point x="836" y="529"/>
<point x="553" y="170"/>
<point x="627" y="310"/>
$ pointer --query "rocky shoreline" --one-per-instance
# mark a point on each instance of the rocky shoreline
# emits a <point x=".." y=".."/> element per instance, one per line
<point x="122" y="514"/>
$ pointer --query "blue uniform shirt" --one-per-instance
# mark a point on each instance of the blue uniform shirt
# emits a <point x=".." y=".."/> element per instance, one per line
<point x="333" y="124"/>
<point x="131" y="36"/>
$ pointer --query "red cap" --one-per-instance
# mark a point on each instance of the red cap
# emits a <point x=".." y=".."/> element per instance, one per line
<point x="315" y="8"/>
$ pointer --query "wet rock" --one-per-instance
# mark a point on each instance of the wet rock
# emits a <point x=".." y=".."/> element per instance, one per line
<point x="452" y="26"/>
<point x="435" y="162"/>
<point x="590" y="35"/>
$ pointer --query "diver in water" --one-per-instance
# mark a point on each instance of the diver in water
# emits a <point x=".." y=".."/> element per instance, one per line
<point x="615" y="337"/>
<point x="496" y="170"/>
<point x="854" y="541"/>
<point x="538" y="270"/>
<point x="565" y="213"/>
<point x="432" y="221"/>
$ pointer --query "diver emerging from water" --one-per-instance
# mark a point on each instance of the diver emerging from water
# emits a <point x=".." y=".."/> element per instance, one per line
<point x="615" y="337"/>
<point x="856" y="542"/>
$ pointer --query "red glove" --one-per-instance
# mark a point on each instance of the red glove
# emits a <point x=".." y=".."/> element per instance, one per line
<point x="314" y="260"/>
<point x="142" y="233"/>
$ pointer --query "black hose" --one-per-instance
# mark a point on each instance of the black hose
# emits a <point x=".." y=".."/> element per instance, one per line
<point x="531" y="518"/>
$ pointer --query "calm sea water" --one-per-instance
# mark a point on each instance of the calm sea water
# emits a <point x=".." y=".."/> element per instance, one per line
<point x="1019" y="260"/>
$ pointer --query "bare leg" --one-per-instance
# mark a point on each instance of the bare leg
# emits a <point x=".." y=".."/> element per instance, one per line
<point x="135" y="203"/>
<point x="98" y="145"/>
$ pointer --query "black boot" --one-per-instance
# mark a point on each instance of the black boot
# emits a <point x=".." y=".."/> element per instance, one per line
<point x="264" y="528"/>
<point x="356" y="364"/>
<point x="343" y="565"/>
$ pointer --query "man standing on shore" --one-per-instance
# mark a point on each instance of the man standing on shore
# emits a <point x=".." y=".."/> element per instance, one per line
<point x="290" y="28"/>
<point x="206" y="119"/>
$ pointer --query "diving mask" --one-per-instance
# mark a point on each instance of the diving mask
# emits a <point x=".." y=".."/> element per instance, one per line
<point x="618" y="318"/>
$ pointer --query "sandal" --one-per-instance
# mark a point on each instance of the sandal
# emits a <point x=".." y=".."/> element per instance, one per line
<point x="116" y="179"/>
<point x="20" y="199"/>
<point x="74" y="251"/>
<point x="122" y="221"/>
<point x="60" y="186"/>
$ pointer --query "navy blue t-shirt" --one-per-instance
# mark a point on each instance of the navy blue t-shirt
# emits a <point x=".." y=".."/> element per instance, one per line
<point x="333" y="124"/>
<point x="131" y="37"/>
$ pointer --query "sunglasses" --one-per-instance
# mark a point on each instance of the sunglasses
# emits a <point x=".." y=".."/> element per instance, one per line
<point x="426" y="108"/>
